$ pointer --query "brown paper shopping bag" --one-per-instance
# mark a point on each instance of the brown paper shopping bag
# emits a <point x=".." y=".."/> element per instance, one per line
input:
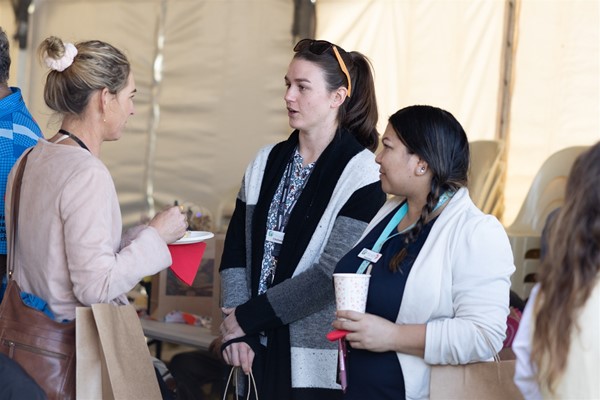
<point x="479" y="380"/>
<point x="482" y="380"/>
<point x="88" y="380"/>
<point x="113" y="361"/>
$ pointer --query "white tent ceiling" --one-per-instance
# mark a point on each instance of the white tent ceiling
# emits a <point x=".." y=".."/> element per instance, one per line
<point x="448" y="53"/>
<point x="209" y="75"/>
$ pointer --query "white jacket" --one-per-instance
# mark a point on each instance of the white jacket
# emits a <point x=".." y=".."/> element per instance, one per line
<point x="459" y="286"/>
<point x="580" y="377"/>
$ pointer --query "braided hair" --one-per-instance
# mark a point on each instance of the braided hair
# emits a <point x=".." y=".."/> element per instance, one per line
<point x="438" y="138"/>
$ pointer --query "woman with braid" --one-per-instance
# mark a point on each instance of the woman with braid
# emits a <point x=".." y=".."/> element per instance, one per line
<point x="558" y="344"/>
<point x="439" y="293"/>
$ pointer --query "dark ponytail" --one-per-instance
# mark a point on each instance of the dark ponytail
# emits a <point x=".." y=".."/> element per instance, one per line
<point x="359" y="114"/>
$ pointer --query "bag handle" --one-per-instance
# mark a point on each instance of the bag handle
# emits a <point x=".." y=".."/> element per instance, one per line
<point x="489" y="343"/>
<point x="251" y="383"/>
<point x="12" y="231"/>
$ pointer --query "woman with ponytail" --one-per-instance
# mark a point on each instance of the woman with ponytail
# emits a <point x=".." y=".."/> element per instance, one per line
<point x="439" y="292"/>
<point x="302" y="204"/>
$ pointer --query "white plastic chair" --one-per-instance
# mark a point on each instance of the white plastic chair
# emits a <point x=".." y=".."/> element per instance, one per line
<point x="546" y="193"/>
<point x="486" y="176"/>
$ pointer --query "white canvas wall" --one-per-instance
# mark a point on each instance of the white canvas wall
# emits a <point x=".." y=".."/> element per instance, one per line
<point x="448" y="53"/>
<point x="220" y="96"/>
<point x="556" y="102"/>
<point x="443" y="53"/>
<point x="224" y="60"/>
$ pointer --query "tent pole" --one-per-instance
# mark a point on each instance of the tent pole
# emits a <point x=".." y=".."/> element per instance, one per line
<point x="157" y="70"/>
<point x="507" y="78"/>
<point x="511" y="18"/>
<point x="23" y="9"/>
<point x="305" y="23"/>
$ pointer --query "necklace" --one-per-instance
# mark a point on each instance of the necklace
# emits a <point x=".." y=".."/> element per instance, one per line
<point x="75" y="138"/>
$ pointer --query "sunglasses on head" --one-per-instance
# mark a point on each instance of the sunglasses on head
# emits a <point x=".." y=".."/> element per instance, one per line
<point x="319" y="47"/>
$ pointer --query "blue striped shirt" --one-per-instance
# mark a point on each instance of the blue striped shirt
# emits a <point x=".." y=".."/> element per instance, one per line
<point x="18" y="131"/>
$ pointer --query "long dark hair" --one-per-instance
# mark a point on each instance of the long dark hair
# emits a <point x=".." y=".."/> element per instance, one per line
<point x="438" y="138"/>
<point x="358" y="114"/>
<point x="569" y="271"/>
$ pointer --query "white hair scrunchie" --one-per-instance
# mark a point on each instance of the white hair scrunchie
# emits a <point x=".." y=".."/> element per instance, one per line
<point x="65" y="61"/>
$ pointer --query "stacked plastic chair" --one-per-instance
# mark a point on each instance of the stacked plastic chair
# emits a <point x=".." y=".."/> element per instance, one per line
<point x="545" y="195"/>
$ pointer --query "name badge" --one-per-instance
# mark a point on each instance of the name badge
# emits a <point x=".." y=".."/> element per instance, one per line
<point x="275" y="236"/>
<point x="369" y="255"/>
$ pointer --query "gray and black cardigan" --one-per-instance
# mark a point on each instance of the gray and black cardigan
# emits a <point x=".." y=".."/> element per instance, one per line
<point x="341" y="196"/>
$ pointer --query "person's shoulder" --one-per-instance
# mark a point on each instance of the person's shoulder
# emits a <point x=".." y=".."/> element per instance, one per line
<point x="265" y="150"/>
<point x="81" y="160"/>
<point x="261" y="156"/>
<point x="291" y="142"/>
<point x="355" y="152"/>
<point x="275" y="149"/>
<point x="91" y="173"/>
<point x="11" y="104"/>
<point x="366" y="156"/>
<point x="462" y="205"/>
<point x="347" y="141"/>
<point x="361" y="169"/>
<point x="476" y="220"/>
<point x="464" y="215"/>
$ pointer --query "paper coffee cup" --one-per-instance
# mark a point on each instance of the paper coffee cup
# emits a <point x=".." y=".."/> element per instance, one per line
<point x="351" y="291"/>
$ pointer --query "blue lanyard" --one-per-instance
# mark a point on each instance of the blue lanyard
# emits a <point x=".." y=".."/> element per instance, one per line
<point x="385" y="235"/>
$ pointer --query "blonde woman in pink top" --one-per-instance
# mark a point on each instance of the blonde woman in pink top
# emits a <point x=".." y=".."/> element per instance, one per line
<point x="70" y="250"/>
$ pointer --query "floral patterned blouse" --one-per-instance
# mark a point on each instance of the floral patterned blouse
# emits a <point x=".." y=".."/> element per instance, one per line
<point x="290" y="187"/>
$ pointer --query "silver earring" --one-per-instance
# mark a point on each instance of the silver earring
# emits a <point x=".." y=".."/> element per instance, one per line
<point x="422" y="170"/>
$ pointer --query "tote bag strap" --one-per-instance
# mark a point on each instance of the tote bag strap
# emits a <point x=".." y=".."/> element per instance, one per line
<point x="251" y="383"/>
<point x="12" y="231"/>
<point x="489" y="344"/>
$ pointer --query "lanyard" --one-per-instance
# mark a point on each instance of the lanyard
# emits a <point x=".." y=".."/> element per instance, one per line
<point x="75" y="138"/>
<point x="385" y="235"/>
<point x="283" y="212"/>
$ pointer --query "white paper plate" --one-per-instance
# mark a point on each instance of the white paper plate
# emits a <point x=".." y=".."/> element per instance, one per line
<point x="195" y="237"/>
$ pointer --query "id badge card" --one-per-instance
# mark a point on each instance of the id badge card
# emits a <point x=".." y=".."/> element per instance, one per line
<point x="275" y="236"/>
<point x="369" y="255"/>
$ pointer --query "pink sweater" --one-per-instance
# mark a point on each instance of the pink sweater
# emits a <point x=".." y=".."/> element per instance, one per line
<point x="69" y="246"/>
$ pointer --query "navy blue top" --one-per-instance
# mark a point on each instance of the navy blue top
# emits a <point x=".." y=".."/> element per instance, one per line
<point x="379" y="375"/>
